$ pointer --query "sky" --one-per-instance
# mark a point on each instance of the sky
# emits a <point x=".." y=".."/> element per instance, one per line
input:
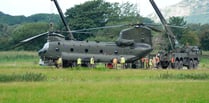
<point x="29" y="7"/>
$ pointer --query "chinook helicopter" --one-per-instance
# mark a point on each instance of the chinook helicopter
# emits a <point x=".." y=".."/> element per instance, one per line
<point x="133" y="43"/>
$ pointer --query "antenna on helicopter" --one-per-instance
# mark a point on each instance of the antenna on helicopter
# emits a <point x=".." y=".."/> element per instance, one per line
<point x="63" y="20"/>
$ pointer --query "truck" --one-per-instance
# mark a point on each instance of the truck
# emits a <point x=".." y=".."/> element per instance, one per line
<point x="178" y="56"/>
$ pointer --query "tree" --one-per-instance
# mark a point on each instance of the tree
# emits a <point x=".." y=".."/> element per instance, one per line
<point x="177" y="21"/>
<point x="98" y="13"/>
<point x="204" y="40"/>
<point x="191" y="38"/>
<point x="5" y="32"/>
<point x="28" y="30"/>
<point x="88" y="15"/>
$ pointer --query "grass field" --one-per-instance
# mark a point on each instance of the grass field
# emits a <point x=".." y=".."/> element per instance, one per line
<point x="100" y="84"/>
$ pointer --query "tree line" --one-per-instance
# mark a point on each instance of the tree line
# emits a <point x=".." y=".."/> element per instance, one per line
<point x="91" y="14"/>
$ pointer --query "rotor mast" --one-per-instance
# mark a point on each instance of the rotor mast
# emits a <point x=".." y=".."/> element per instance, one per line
<point x="172" y="39"/>
<point x="70" y="35"/>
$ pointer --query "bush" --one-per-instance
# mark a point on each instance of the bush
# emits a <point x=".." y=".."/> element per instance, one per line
<point x="28" y="77"/>
<point x="202" y="76"/>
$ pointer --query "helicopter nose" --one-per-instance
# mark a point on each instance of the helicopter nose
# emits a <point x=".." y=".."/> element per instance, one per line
<point x="148" y="50"/>
<point x="41" y="52"/>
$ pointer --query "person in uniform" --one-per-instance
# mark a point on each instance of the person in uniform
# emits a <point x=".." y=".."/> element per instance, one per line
<point x="153" y="62"/>
<point x="92" y="62"/>
<point x="122" y="62"/>
<point x="146" y="62"/>
<point x="59" y="62"/>
<point x="150" y="63"/>
<point x="157" y="61"/>
<point x="115" y="62"/>
<point x="142" y="62"/>
<point x="79" y="62"/>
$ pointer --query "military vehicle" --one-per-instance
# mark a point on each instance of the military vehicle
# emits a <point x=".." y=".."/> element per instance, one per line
<point x="179" y="55"/>
<point x="133" y="43"/>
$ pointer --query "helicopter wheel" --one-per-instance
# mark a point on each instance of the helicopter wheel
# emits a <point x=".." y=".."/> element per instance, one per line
<point x="67" y="64"/>
<point x="134" y="66"/>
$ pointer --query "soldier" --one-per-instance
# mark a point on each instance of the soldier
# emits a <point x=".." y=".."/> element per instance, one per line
<point x="79" y="60"/>
<point x="146" y="62"/>
<point x="157" y="60"/>
<point x="59" y="62"/>
<point x="142" y="62"/>
<point x="115" y="62"/>
<point x="92" y="62"/>
<point x="153" y="62"/>
<point x="122" y="62"/>
<point x="150" y="63"/>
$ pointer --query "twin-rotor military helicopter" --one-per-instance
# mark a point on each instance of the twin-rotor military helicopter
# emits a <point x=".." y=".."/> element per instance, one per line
<point x="133" y="43"/>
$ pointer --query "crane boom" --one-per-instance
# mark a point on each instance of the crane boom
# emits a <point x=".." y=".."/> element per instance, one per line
<point x="172" y="39"/>
<point x="70" y="35"/>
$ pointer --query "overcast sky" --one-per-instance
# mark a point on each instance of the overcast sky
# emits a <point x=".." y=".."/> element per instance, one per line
<point x="29" y="7"/>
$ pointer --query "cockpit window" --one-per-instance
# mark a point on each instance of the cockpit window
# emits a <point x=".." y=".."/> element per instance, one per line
<point x="46" y="46"/>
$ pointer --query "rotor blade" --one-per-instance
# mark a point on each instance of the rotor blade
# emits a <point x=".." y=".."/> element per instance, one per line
<point x="105" y="27"/>
<point x="83" y="32"/>
<point x="146" y="26"/>
<point x="154" y="29"/>
<point x="77" y="32"/>
<point x="34" y="37"/>
<point x="172" y="26"/>
<point x="143" y="26"/>
<point x="152" y="24"/>
<point x="175" y="26"/>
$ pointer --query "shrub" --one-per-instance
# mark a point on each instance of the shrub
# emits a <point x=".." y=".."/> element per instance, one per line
<point x="199" y="76"/>
<point x="29" y="77"/>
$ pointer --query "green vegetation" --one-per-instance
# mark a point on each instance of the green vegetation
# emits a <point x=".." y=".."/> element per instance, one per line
<point x="198" y="76"/>
<point x="14" y="20"/>
<point x="29" y="77"/>
<point x="92" y="14"/>
<point x="97" y="85"/>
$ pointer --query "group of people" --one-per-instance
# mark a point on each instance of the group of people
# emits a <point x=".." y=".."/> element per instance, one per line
<point x="91" y="62"/>
<point x="59" y="62"/>
<point x="150" y="62"/>
<point x="145" y="62"/>
<point x="122" y="62"/>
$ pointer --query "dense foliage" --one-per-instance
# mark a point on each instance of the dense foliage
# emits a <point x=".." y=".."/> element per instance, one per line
<point x="91" y="14"/>
<point x="99" y="13"/>
<point x="193" y="34"/>
<point x="13" y="20"/>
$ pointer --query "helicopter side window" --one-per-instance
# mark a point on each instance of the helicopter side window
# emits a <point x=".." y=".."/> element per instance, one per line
<point x="142" y="40"/>
<point x="86" y="50"/>
<point x="101" y="51"/>
<point x="116" y="52"/>
<point x="71" y="49"/>
<point x="57" y="49"/>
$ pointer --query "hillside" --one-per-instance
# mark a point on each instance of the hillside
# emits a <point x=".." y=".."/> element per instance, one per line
<point x="194" y="11"/>
<point x="12" y="20"/>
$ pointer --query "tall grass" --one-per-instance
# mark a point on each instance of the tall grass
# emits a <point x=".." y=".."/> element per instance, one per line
<point x="101" y="85"/>
<point x="29" y="77"/>
<point x="181" y="76"/>
<point x="19" y="56"/>
<point x="93" y="86"/>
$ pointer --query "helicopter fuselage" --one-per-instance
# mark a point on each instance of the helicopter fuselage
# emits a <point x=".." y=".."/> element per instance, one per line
<point x="71" y="50"/>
